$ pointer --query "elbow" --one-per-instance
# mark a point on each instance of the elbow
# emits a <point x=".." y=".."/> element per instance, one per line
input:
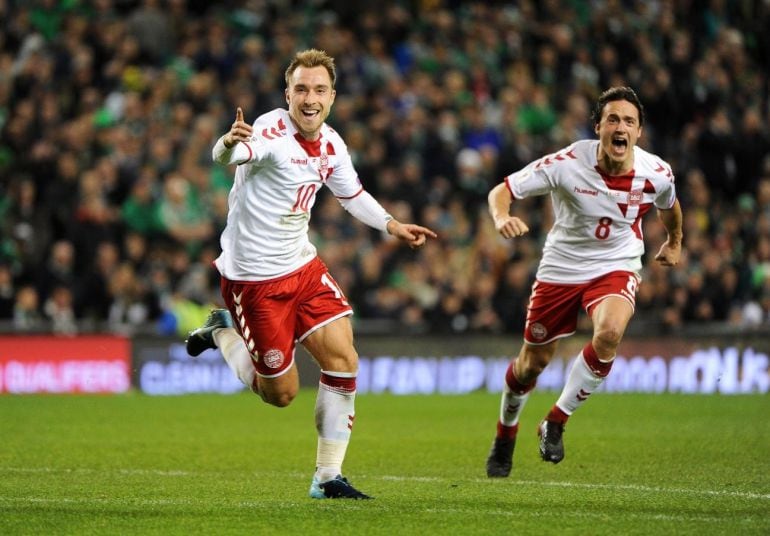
<point x="220" y="152"/>
<point x="216" y="154"/>
<point x="493" y="193"/>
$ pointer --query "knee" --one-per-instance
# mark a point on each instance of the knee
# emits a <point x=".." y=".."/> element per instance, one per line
<point x="531" y="364"/>
<point x="607" y="339"/>
<point x="534" y="365"/>
<point x="278" y="399"/>
<point x="341" y="362"/>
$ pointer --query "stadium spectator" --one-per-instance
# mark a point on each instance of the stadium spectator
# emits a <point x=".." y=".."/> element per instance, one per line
<point x="59" y="270"/>
<point x="59" y="309"/>
<point x="7" y="292"/>
<point x="182" y="214"/>
<point x="83" y="88"/>
<point x="26" y="310"/>
<point x="591" y="260"/>
<point x="276" y="288"/>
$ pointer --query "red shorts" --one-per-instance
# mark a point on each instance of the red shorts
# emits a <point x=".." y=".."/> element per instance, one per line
<point x="272" y="316"/>
<point x="553" y="309"/>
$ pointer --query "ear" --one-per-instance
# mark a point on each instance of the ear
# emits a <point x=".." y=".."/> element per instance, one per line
<point x="286" y="94"/>
<point x="596" y="128"/>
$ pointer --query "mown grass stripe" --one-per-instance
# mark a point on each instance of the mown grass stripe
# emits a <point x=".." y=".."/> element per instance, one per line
<point x="397" y="478"/>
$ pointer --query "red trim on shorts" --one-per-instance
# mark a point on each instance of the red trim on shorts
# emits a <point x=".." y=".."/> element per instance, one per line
<point x="589" y="308"/>
<point x="280" y="373"/>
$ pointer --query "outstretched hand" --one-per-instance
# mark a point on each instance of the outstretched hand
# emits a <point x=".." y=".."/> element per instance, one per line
<point x="239" y="131"/>
<point x="414" y="235"/>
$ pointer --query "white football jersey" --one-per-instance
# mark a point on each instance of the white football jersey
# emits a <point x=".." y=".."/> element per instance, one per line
<point x="597" y="217"/>
<point x="276" y="183"/>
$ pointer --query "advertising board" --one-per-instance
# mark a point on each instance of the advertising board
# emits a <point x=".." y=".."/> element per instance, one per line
<point x="51" y="364"/>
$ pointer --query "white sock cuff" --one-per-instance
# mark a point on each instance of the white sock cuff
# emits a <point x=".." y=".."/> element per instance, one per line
<point x="565" y="410"/>
<point x="335" y="374"/>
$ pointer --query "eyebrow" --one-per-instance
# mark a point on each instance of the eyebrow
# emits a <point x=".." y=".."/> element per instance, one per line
<point x="624" y="117"/>
<point x="317" y="86"/>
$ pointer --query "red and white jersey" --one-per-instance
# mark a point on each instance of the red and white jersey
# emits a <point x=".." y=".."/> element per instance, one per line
<point x="276" y="182"/>
<point x="597" y="217"/>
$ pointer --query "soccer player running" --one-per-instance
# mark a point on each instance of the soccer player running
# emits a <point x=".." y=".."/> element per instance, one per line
<point x="600" y="191"/>
<point x="276" y="289"/>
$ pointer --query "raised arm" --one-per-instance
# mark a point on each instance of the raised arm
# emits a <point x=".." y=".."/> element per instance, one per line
<point x="227" y="150"/>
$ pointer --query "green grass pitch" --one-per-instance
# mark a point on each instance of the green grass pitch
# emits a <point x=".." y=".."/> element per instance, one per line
<point x="205" y="464"/>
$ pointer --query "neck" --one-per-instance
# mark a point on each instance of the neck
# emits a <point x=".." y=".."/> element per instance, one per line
<point x="614" y="167"/>
<point x="309" y="136"/>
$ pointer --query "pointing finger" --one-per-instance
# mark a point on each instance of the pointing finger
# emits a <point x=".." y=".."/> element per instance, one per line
<point x="239" y="114"/>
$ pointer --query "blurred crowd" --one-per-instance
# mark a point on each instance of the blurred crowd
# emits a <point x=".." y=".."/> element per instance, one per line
<point x="111" y="208"/>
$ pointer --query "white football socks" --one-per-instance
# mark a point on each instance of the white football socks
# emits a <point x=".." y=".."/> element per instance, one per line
<point x="581" y="382"/>
<point x="236" y="355"/>
<point x="511" y="405"/>
<point x="334" y="415"/>
<point x="515" y="395"/>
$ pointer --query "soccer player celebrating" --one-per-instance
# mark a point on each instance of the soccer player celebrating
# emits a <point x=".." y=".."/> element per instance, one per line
<point x="276" y="289"/>
<point x="600" y="191"/>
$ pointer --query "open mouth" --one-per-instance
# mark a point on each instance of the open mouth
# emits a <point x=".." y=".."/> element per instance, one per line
<point x="310" y="113"/>
<point x="619" y="143"/>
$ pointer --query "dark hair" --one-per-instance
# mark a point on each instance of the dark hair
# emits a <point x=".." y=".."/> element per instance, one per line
<point x="312" y="58"/>
<point x="616" y="94"/>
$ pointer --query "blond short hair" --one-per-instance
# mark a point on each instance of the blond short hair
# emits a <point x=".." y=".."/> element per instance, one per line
<point x="312" y="58"/>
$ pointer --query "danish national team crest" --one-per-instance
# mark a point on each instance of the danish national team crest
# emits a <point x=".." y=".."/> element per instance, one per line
<point x="538" y="330"/>
<point x="273" y="358"/>
<point x="323" y="167"/>
<point x="635" y="197"/>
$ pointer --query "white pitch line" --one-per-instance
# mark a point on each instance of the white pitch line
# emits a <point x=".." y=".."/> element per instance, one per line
<point x="575" y="514"/>
<point x="628" y="487"/>
<point x="578" y="485"/>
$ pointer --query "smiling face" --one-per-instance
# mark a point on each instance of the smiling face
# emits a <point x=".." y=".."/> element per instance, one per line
<point x="310" y="96"/>
<point x="618" y="129"/>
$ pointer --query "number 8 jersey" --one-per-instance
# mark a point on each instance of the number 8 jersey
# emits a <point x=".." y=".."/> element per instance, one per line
<point x="597" y="217"/>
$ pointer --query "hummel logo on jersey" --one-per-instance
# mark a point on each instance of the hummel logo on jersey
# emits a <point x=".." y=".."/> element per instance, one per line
<point x="300" y="161"/>
<point x="579" y="190"/>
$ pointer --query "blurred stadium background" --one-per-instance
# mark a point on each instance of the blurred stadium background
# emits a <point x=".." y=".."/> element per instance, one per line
<point x="110" y="207"/>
